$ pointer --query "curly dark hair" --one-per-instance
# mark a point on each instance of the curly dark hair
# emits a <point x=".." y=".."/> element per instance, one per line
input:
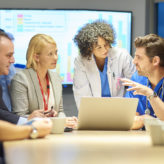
<point x="88" y="35"/>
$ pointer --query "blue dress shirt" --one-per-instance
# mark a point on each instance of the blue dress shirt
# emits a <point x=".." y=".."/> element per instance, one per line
<point x="5" y="83"/>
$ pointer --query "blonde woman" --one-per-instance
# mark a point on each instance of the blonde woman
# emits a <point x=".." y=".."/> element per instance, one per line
<point x="36" y="87"/>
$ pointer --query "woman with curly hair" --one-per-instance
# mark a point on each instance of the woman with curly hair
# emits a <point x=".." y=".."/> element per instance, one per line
<point x="99" y="66"/>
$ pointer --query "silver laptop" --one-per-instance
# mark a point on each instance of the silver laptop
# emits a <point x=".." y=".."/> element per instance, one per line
<point x="101" y="113"/>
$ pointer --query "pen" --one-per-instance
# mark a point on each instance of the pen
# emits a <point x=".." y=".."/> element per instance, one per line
<point x="49" y="111"/>
<point x="113" y="75"/>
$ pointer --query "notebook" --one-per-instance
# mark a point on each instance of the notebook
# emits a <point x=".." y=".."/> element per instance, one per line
<point x="104" y="113"/>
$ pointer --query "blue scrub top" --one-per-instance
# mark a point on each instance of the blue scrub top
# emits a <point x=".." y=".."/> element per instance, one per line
<point x="105" y="91"/>
<point x="142" y="99"/>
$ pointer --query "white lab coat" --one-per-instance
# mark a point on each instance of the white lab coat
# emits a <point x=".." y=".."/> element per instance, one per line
<point x="87" y="80"/>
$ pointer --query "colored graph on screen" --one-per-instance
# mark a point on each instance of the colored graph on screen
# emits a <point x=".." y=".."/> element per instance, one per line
<point x="62" y="25"/>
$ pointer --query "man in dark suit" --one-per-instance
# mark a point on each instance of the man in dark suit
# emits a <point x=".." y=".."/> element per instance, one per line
<point x="9" y="131"/>
<point x="6" y="56"/>
<point x="6" y="59"/>
<point x="5" y="114"/>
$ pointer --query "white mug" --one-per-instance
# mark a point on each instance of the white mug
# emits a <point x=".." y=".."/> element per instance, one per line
<point x="58" y="124"/>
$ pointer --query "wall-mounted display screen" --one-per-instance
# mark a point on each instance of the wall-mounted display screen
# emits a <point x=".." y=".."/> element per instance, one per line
<point x="160" y="19"/>
<point x="62" y="25"/>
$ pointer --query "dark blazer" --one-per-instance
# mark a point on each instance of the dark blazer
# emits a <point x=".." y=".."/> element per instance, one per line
<point x="5" y="114"/>
<point x="2" y="159"/>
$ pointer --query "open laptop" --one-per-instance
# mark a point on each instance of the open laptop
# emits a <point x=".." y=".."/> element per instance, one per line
<point x="102" y="113"/>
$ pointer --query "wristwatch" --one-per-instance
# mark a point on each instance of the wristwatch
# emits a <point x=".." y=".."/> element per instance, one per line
<point x="34" y="133"/>
<point x="152" y="95"/>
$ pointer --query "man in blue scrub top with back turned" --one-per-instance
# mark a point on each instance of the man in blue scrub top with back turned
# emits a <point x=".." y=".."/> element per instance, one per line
<point x="148" y="83"/>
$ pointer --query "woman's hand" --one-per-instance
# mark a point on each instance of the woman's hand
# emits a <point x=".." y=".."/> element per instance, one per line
<point x="37" y="113"/>
<point x="50" y="113"/>
<point x="71" y="122"/>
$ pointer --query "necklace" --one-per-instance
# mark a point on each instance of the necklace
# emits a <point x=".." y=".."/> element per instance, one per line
<point x="147" y="111"/>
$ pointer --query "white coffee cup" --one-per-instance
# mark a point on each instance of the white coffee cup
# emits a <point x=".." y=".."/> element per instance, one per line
<point x="156" y="134"/>
<point x="58" y="125"/>
<point x="149" y="121"/>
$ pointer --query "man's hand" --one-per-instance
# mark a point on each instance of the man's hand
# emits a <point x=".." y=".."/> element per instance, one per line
<point x="138" y="89"/>
<point x="43" y="127"/>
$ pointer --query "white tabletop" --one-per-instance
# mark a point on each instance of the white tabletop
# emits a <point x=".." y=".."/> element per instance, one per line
<point x="86" y="147"/>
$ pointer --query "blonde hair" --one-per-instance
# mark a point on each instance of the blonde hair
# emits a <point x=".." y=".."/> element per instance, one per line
<point x="36" y="45"/>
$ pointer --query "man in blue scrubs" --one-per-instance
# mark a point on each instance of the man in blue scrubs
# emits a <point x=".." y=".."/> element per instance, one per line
<point x="148" y="83"/>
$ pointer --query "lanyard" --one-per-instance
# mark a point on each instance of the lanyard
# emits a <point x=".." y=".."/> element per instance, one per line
<point x="48" y="91"/>
<point x="147" y="111"/>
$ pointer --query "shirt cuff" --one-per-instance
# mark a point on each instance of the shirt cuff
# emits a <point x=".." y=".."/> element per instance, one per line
<point x="22" y="120"/>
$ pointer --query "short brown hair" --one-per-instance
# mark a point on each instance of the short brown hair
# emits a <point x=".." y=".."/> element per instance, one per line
<point x="153" y="44"/>
<point x="6" y="35"/>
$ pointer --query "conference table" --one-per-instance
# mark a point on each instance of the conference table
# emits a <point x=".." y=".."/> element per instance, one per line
<point x="86" y="147"/>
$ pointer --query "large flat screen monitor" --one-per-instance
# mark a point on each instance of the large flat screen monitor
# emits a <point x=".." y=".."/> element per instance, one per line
<point x="160" y="19"/>
<point x="62" y="25"/>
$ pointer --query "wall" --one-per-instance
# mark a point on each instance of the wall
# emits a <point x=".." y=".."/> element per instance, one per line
<point x="140" y="23"/>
